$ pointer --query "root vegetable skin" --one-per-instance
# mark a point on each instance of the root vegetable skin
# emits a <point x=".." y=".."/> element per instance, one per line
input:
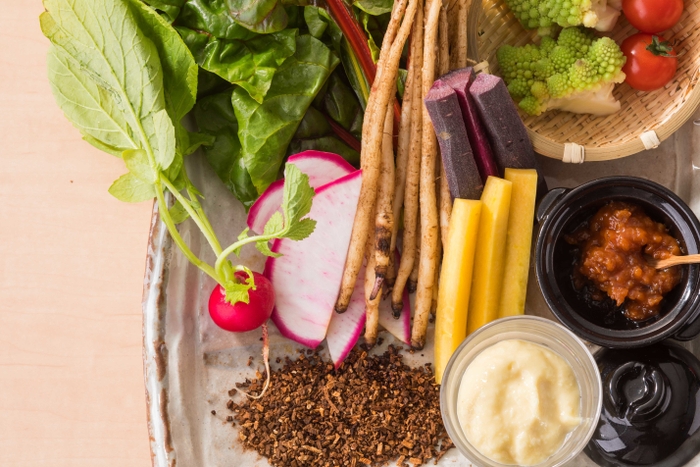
<point x="506" y="132"/>
<point x="462" y="173"/>
<point x="307" y="277"/>
<point x="384" y="223"/>
<point x="428" y="203"/>
<point x="372" y="130"/>
<point x="410" y="213"/>
<point x="460" y="81"/>
<point x="321" y="167"/>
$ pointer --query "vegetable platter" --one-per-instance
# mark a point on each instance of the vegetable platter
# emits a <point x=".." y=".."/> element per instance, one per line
<point x="663" y="111"/>
<point x="190" y="363"/>
<point x="261" y="237"/>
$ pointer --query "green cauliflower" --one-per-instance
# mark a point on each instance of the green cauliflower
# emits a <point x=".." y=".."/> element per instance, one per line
<point x="577" y="73"/>
<point x="544" y="14"/>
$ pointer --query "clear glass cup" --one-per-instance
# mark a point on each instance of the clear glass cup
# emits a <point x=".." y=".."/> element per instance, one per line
<point x="540" y="331"/>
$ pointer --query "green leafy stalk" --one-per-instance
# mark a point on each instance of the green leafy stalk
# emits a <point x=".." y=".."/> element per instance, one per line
<point x="125" y="78"/>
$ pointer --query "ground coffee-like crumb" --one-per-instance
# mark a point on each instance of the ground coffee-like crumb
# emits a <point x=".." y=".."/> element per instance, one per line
<point x="372" y="411"/>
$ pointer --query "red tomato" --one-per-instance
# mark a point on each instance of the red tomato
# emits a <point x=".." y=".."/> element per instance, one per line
<point x="651" y="61"/>
<point x="241" y="317"/>
<point x="652" y="16"/>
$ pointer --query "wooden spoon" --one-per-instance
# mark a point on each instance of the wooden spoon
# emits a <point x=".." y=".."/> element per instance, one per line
<point x="672" y="261"/>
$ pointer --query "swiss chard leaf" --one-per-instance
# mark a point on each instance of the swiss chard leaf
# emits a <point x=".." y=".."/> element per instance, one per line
<point x="213" y="17"/>
<point x="261" y="16"/>
<point x="374" y="7"/>
<point x="265" y="130"/>
<point x="250" y="64"/>
<point x="169" y="8"/>
<point x="215" y="117"/>
<point x="315" y="132"/>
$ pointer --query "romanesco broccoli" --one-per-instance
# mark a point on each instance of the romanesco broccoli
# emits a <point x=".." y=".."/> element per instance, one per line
<point x="543" y="14"/>
<point x="577" y="72"/>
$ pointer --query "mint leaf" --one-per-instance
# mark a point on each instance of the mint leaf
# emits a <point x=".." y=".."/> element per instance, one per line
<point x="301" y="229"/>
<point x="264" y="248"/>
<point x="274" y="225"/>
<point x="298" y="195"/>
<point x="131" y="189"/>
<point x="136" y="161"/>
<point x="243" y="235"/>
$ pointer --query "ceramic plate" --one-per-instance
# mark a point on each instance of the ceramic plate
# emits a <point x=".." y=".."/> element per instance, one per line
<point x="190" y="364"/>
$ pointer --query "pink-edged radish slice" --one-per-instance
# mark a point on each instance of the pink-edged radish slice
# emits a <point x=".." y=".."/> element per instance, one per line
<point x="345" y="329"/>
<point x="307" y="277"/>
<point x="399" y="328"/>
<point x="321" y="167"/>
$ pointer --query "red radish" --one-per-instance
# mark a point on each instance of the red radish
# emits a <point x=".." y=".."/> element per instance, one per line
<point x="321" y="167"/>
<point x="307" y="277"/>
<point x="242" y="317"/>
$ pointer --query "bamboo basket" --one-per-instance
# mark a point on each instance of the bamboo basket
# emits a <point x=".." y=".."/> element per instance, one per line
<point x="491" y="24"/>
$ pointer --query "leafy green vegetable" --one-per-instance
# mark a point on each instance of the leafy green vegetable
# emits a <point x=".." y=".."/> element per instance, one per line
<point x="291" y="223"/>
<point x="315" y="132"/>
<point x="374" y="26"/>
<point x="265" y="130"/>
<point x="213" y="17"/>
<point x="374" y="7"/>
<point x="261" y="16"/>
<point x="250" y="64"/>
<point x="170" y="8"/>
<point x="214" y="116"/>
<point x="124" y="77"/>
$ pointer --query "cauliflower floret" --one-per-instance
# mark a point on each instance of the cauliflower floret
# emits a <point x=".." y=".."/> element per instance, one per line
<point x="543" y="14"/>
<point x="577" y="73"/>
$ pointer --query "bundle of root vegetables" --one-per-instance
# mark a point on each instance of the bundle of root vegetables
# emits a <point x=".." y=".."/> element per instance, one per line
<point x="410" y="183"/>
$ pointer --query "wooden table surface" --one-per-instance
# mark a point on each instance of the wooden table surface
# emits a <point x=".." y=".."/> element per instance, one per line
<point x="71" y="277"/>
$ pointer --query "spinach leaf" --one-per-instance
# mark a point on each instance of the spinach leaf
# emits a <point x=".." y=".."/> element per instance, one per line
<point x="315" y="132"/>
<point x="265" y="130"/>
<point x="213" y="17"/>
<point x="374" y="7"/>
<point x="250" y="64"/>
<point x="214" y="116"/>
<point x="261" y="16"/>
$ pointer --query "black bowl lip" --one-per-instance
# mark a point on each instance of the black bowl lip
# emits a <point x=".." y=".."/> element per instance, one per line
<point x="647" y="335"/>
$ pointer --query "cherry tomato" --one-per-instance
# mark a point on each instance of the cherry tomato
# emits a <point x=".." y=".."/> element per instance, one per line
<point x="651" y="61"/>
<point x="242" y="317"/>
<point x="652" y="16"/>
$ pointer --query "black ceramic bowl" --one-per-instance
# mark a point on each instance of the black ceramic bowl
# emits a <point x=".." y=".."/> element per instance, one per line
<point x="562" y="211"/>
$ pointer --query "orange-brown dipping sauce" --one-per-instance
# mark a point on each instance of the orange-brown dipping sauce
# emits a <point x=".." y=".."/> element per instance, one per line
<point x="613" y="245"/>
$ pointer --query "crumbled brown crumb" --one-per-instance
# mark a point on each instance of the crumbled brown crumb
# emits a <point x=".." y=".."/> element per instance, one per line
<point x="372" y="410"/>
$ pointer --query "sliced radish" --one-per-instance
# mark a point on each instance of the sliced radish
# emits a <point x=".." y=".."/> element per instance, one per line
<point x="307" y="277"/>
<point x="399" y="328"/>
<point x="321" y="167"/>
<point x="345" y="329"/>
